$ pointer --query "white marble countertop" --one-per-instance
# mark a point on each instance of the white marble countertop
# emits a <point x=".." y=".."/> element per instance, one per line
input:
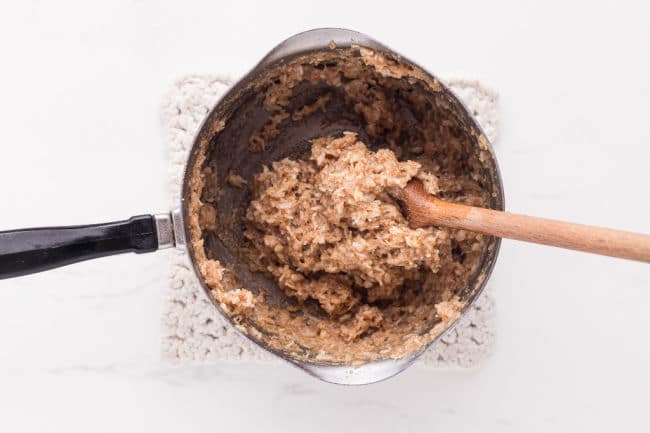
<point x="79" y="346"/>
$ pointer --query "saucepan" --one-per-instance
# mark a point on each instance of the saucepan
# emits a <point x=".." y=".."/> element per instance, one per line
<point x="224" y="136"/>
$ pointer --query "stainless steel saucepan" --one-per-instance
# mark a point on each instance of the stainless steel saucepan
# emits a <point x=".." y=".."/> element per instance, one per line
<point x="224" y="136"/>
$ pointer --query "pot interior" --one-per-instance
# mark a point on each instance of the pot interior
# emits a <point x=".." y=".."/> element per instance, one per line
<point x="274" y="113"/>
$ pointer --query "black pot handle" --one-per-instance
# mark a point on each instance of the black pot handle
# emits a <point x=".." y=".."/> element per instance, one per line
<point x="27" y="251"/>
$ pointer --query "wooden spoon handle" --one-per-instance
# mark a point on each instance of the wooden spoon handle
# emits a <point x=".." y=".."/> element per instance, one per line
<point x="425" y="210"/>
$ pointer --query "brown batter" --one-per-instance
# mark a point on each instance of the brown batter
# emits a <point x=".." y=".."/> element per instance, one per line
<point x="327" y="228"/>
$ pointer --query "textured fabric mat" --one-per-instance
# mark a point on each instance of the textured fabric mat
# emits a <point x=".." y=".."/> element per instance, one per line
<point x="192" y="329"/>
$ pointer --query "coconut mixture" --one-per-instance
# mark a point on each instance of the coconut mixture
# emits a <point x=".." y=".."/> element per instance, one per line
<point x="329" y="229"/>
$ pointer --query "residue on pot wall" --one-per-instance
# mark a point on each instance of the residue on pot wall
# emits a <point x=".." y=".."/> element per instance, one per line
<point x="391" y="298"/>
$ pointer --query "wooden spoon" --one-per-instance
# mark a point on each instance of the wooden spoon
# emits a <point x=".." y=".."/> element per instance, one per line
<point x="423" y="209"/>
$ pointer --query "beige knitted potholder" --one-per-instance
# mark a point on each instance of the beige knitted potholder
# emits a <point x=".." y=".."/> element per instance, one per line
<point x="194" y="332"/>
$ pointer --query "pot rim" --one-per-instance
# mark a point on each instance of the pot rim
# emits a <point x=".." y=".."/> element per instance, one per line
<point x="294" y="46"/>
